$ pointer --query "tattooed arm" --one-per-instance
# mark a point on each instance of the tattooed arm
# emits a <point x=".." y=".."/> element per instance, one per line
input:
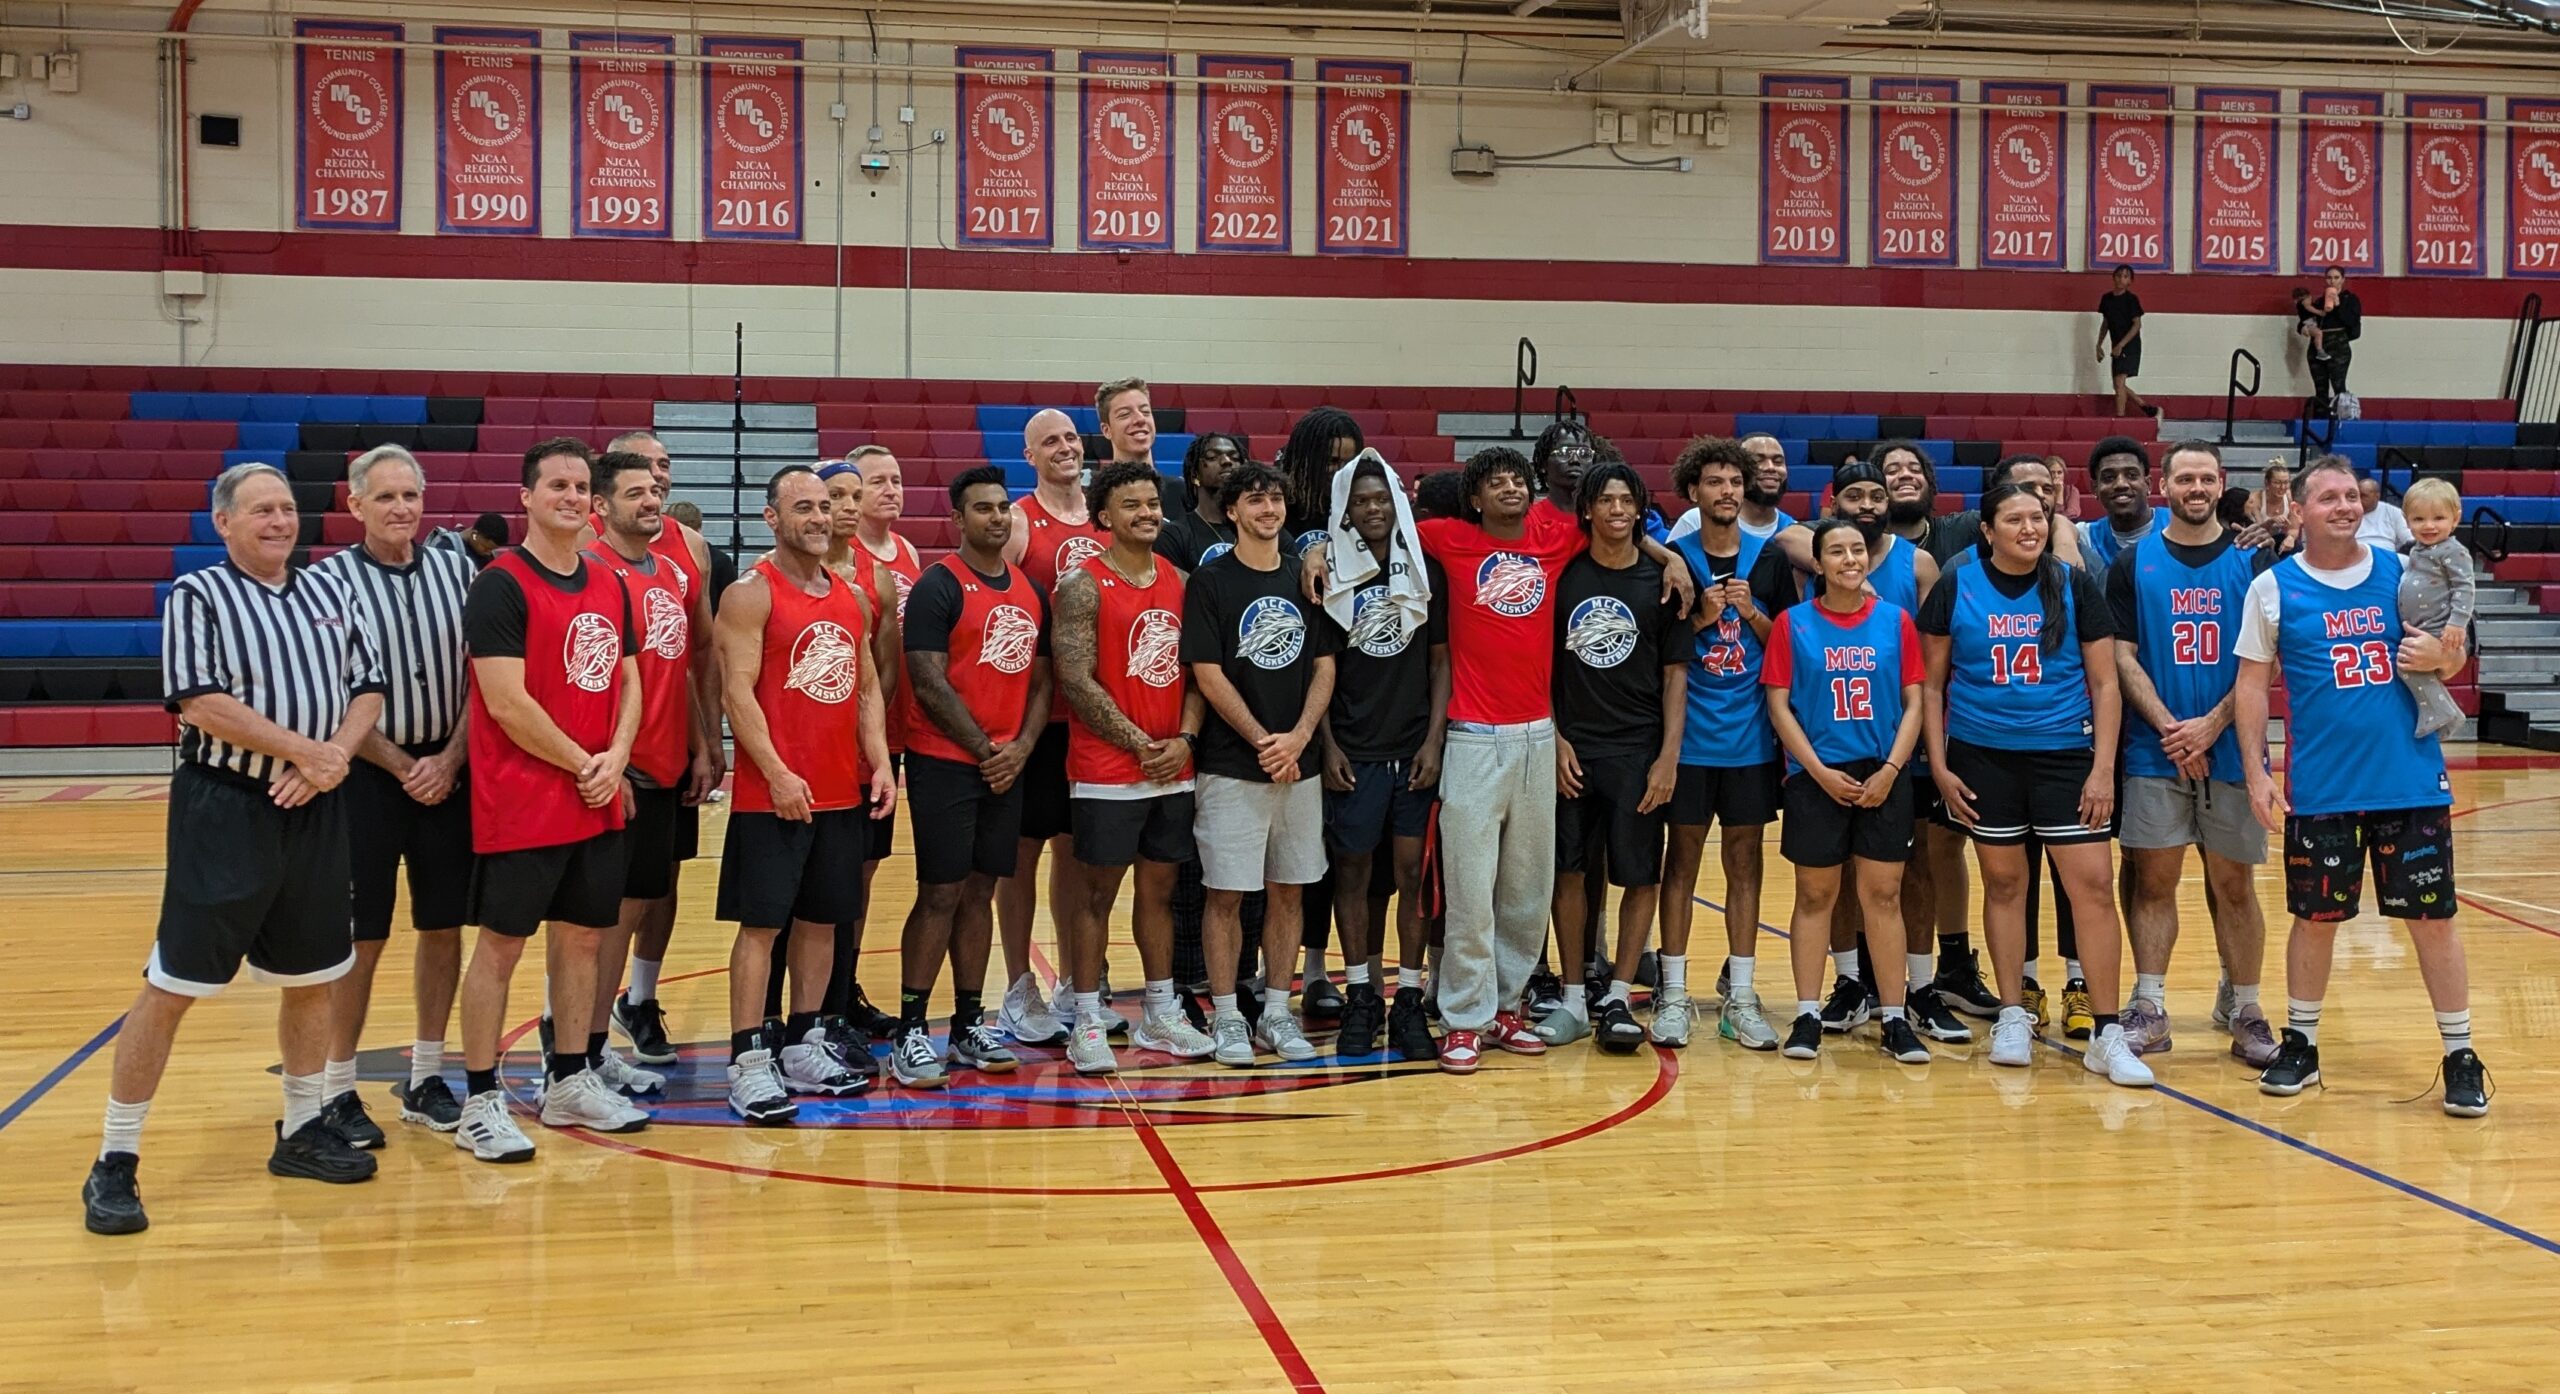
<point x="928" y="672"/>
<point x="1072" y="640"/>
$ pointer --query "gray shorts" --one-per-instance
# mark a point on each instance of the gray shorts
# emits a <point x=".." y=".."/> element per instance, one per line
<point x="2161" y="814"/>
<point x="1252" y="834"/>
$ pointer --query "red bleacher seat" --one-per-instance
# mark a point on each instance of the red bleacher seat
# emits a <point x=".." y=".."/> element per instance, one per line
<point x="954" y="392"/>
<point x="144" y="435"/>
<point x="38" y="494"/>
<point x="84" y="435"/>
<point x="66" y="464"/>
<point x="631" y="415"/>
<point x="566" y="413"/>
<point x="949" y="418"/>
<point x="25" y="435"/>
<point x="100" y="406"/>
<point x="905" y="443"/>
<point x="510" y="440"/>
<point x="510" y="411"/>
<point x="952" y="444"/>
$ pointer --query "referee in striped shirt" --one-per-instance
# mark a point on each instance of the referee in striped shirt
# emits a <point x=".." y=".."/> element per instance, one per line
<point x="405" y="796"/>
<point x="275" y="683"/>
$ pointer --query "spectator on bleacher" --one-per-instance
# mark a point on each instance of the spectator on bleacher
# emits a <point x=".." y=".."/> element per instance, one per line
<point x="1190" y="537"/>
<point x="2272" y="506"/>
<point x="2120" y="474"/>
<point x="2120" y="342"/>
<point x="2341" y="320"/>
<point x="486" y="536"/>
<point x="724" y="568"/>
<point x="2384" y="525"/>
<point x="1762" y="491"/>
<point x="1564" y="450"/>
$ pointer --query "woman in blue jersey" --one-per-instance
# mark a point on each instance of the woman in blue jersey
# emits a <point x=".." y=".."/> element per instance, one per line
<point x="1843" y="679"/>
<point x="2021" y="715"/>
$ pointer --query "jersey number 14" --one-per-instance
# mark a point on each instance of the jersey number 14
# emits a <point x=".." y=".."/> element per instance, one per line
<point x="2018" y="663"/>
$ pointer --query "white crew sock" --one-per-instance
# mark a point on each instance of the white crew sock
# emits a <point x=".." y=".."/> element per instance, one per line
<point x="1920" y="969"/>
<point x="1738" y="971"/>
<point x="1275" y="999"/>
<point x="1675" y="974"/>
<point x="2071" y="967"/>
<point x="2152" y="988"/>
<point x="1408" y="978"/>
<point x="1618" y="993"/>
<point x="644" y="979"/>
<point x="1845" y="963"/>
<point x="1159" y="996"/>
<point x="1088" y="1007"/>
<point x="337" y="1077"/>
<point x="1224" y="1004"/>
<point x="2303" y="1017"/>
<point x="426" y="1061"/>
<point x="2243" y="995"/>
<point x="124" y="1127"/>
<point x="301" y="1101"/>
<point x="1889" y="1013"/>
<point x="1806" y="1006"/>
<point x="1577" y="1002"/>
<point x="2035" y="971"/>
<point x="1311" y="967"/>
<point x="2455" y="1027"/>
<point x="1356" y="975"/>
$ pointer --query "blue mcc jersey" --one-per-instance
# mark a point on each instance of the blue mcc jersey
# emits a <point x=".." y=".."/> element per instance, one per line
<point x="2005" y="690"/>
<point x="2190" y="616"/>
<point x="1844" y="682"/>
<point x="1727" y="726"/>
<point x="2347" y="729"/>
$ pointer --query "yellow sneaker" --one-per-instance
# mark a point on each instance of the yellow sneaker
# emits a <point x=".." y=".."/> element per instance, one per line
<point x="2032" y="998"/>
<point x="2077" y="1019"/>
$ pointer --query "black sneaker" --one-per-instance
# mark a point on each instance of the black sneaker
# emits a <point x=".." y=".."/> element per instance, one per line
<point x="1596" y="977"/>
<point x="542" y="1033"/>
<point x="1192" y="1011"/>
<point x="346" y="1117"/>
<point x="1320" y="999"/>
<point x="1546" y="993"/>
<point x="1409" y="1027"/>
<point x="111" y="1200"/>
<point x="644" y="1025"/>
<point x="1902" y="1043"/>
<point x="1847" y="1008"/>
<point x="1364" y="1015"/>
<point x="874" y="1023"/>
<point x="316" y="1152"/>
<point x="1617" y="1029"/>
<point x="1931" y="1017"/>
<point x="1804" y="1039"/>
<point x="1961" y="984"/>
<point x="2466" y="1085"/>
<point x="430" y="1102"/>
<point x="2296" y="1068"/>
<point x="1649" y="970"/>
<point x="851" y="1044"/>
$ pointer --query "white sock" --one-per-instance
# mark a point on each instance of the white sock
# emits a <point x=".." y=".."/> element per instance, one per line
<point x="1312" y="966"/>
<point x="2152" y="988"/>
<point x="1889" y="1013"/>
<point x="1224" y="1004"/>
<point x="2455" y="1027"/>
<point x="2303" y="1017"/>
<point x="2243" y="995"/>
<point x="1159" y="996"/>
<point x="1088" y="1006"/>
<point x="1275" y="999"/>
<point x="2035" y="970"/>
<point x="2071" y="966"/>
<point x="1738" y="971"/>
<point x="1675" y="973"/>
<point x="1806" y="1006"/>
<point x="337" y="1077"/>
<point x="1356" y="975"/>
<point x="644" y="979"/>
<point x="301" y="1101"/>
<point x="1577" y="1002"/>
<point x="1408" y="978"/>
<point x="1845" y="963"/>
<point x="426" y="1061"/>
<point x="1920" y="969"/>
<point x="124" y="1127"/>
<point x="1617" y="993"/>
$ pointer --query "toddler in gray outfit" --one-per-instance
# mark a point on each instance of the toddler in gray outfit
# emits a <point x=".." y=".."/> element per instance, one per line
<point x="2437" y="593"/>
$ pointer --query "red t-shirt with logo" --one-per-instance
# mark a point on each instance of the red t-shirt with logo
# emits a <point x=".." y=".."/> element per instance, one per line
<point x="1501" y="626"/>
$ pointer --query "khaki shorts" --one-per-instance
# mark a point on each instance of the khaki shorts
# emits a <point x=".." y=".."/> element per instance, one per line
<point x="2160" y="814"/>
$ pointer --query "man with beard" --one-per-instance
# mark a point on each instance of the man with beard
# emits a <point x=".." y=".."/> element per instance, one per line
<point x="1133" y="726"/>
<point x="2120" y="472"/>
<point x="1764" y="487"/>
<point x="1202" y="534"/>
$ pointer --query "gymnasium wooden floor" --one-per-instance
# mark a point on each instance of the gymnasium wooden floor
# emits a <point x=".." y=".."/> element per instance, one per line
<point x="1706" y="1220"/>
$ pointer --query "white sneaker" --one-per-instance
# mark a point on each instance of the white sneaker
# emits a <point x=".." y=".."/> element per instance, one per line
<point x="1062" y="1005"/>
<point x="1172" y="1034"/>
<point x="1235" y="1039"/>
<point x="1278" y="1032"/>
<point x="2013" y="1037"/>
<point x="813" y="1067"/>
<point x="624" y="1077"/>
<point x="488" y="1130"/>
<point x="1089" y="1050"/>
<point x="912" y="1060"/>
<point x="1672" y="1021"/>
<point x="1026" y="1018"/>
<point x="755" y="1090"/>
<point x="584" y="1101"/>
<point x="1741" y="1021"/>
<point x="2111" y="1055"/>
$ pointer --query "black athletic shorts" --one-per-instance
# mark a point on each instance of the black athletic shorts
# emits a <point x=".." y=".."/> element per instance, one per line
<point x="884" y="831"/>
<point x="2412" y="854"/>
<point x="1116" y="832"/>
<point x="774" y="871"/>
<point x="688" y="830"/>
<point x="2128" y="363"/>
<point x="974" y="830"/>
<point x="1735" y="795"/>
<point x="1043" y="783"/>
<point x="385" y="826"/>
<point x="249" y="880"/>
<point x="1820" y="831"/>
<point x="1604" y="817"/>
<point x="1378" y="807"/>
<point x="575" y="883"/>
<point x="649" y="835"/>
<point x="2018" y="791"/>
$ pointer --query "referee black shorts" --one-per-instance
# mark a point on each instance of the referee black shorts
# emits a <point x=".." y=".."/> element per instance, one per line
<point x="386" y="827"/>
<point x="575" y="883"/>
<point x="248" y="880"/>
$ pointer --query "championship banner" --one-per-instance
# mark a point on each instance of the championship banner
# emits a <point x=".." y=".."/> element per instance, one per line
<point x="2235" y="179"/>
<point x="2443" y="228"/>
<point x="622" y="173"/>
<point x="1244" y="157"/>
<point x="2533" y="187"/>
<point x="489" y="133"/>
<point x="1361" y="181"/>
<point x="2024" y="155"/>
<point x="1124" y="162"/>
<point x="346" y="132"/>
<point x="2341" y="223"/>
<point x="1006" y="175"/>
<point x="1804" y="171"/>
<point x="752" y="148"/>
<point x="1911" y="174"/>
<point x="2129" y="177"/>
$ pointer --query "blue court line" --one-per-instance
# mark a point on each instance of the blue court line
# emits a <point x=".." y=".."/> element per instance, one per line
<point x="59" y="1073"/>
<point x="2413" y="1191"/>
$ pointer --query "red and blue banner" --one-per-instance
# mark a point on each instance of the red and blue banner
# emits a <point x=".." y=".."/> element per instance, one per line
<point x="2025" y="166"/>
<point x="2341" y="221"/>
<point x="622" y="172"/>
<point x="1911" y="174"/>
<point x="752" y="143"/>
<point x="347" y="126"/>
<point x="1244" y="156"/>
<point x="489" y="132"/>
<point x="2129" y="173"/>
<point x="2444" y="226"/>
<point x="2533" y="186"/>
<point x="1363" y="186"/>
<point x="2235" y="179"/>
<point x="1124" y="162"/>
<point x="1804" y="171"/>
<point x="1007" y="178"/>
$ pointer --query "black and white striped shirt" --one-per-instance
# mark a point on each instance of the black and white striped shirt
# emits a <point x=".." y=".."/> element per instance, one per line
<point x="413" y="615"/>
<point x="296" y="655"/>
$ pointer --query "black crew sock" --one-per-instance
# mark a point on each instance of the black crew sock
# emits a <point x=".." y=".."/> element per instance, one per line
<point x="967" y="1009"/>
<point x="2104" y="1020"/>
<point x="1953" y="947"/>
<point x="1866" y="963"/>
<point x="912" y="1006"/>
<point x="740" y="1042"/>
<point x="480" y="1081"/>
<point x="566" y="1063"/>
<point x="595" y="1048"/>
<point x="799" y="1026"/>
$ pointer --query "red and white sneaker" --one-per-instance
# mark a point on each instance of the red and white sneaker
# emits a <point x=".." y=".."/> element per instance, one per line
<point x="1459" y="1053"/>
<point x="1511" y="1032"/>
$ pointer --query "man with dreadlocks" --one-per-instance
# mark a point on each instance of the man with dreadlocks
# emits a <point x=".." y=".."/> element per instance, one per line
<point x="1323" y="441"/>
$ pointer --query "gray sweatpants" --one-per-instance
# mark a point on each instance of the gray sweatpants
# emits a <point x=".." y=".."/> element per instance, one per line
<point x="1497" y="863"/>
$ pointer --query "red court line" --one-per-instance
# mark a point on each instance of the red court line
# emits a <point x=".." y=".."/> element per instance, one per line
<point x="2501" y="914"/>
<point x="1275" y="1333"/>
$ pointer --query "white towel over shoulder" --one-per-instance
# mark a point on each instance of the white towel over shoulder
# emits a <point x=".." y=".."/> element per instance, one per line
<point x="1349" y="564"/>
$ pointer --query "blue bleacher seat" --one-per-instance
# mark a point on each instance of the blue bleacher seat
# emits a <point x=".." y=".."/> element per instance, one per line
<point x="160" y="593"/>
<point x="274" y="456"/>
<point x="1808" y="478"/>
<point x="1169" y="450"/>
<point x="110" y="638"/>
<point x="1960" y="479"/>
<point x="1854" y="427"/>
<point x="2493" y="433"/>
<point x="31" y="638"/>
<point x="2440" y="433"/>
<point x="1797" y="454"/>
<point x="1938" y="449"/>
<point x="2363" y="456"/>
<point x="1758" y="424"/>
<point x="217" y="406"/>
<point x="1808" y="427"/>
<point x="200" y="528"/>
<point x="276" y="406"/>
<point x="195" y="558"/>
<point x="158" y="406"/>
<point x="396" y="411"/>
<point x="2372" y="432"/>
<point x="271" y="435"/>
<point x="1011" y="420"/>
<point x="338" y="408"/>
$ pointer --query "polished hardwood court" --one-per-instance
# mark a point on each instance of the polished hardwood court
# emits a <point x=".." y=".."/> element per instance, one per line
<point x="1706" y="1219"/>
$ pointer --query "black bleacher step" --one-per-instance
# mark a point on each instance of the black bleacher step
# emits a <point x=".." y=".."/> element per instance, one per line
<point x="2489" y="457"/>
<point x="2504" y="728"/>
<point x="452" y="411"/>
<point x="2441" y="460"/>
<point x="1902" y="427"/>
<point x="1830" y="454"/>
<point x="450" y="437"/>
<point x="81" y="680"/>
<point x="314" y="467"/>
<point x="339" y="436"/>
<point x="2542" y="737"/>
<point x="1977" y="454"/>
<point x="2533" y="457"/>
<point x="374" y="433"/>
<point x="2543" y="433"/>
<point x="1170" y="420"/>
